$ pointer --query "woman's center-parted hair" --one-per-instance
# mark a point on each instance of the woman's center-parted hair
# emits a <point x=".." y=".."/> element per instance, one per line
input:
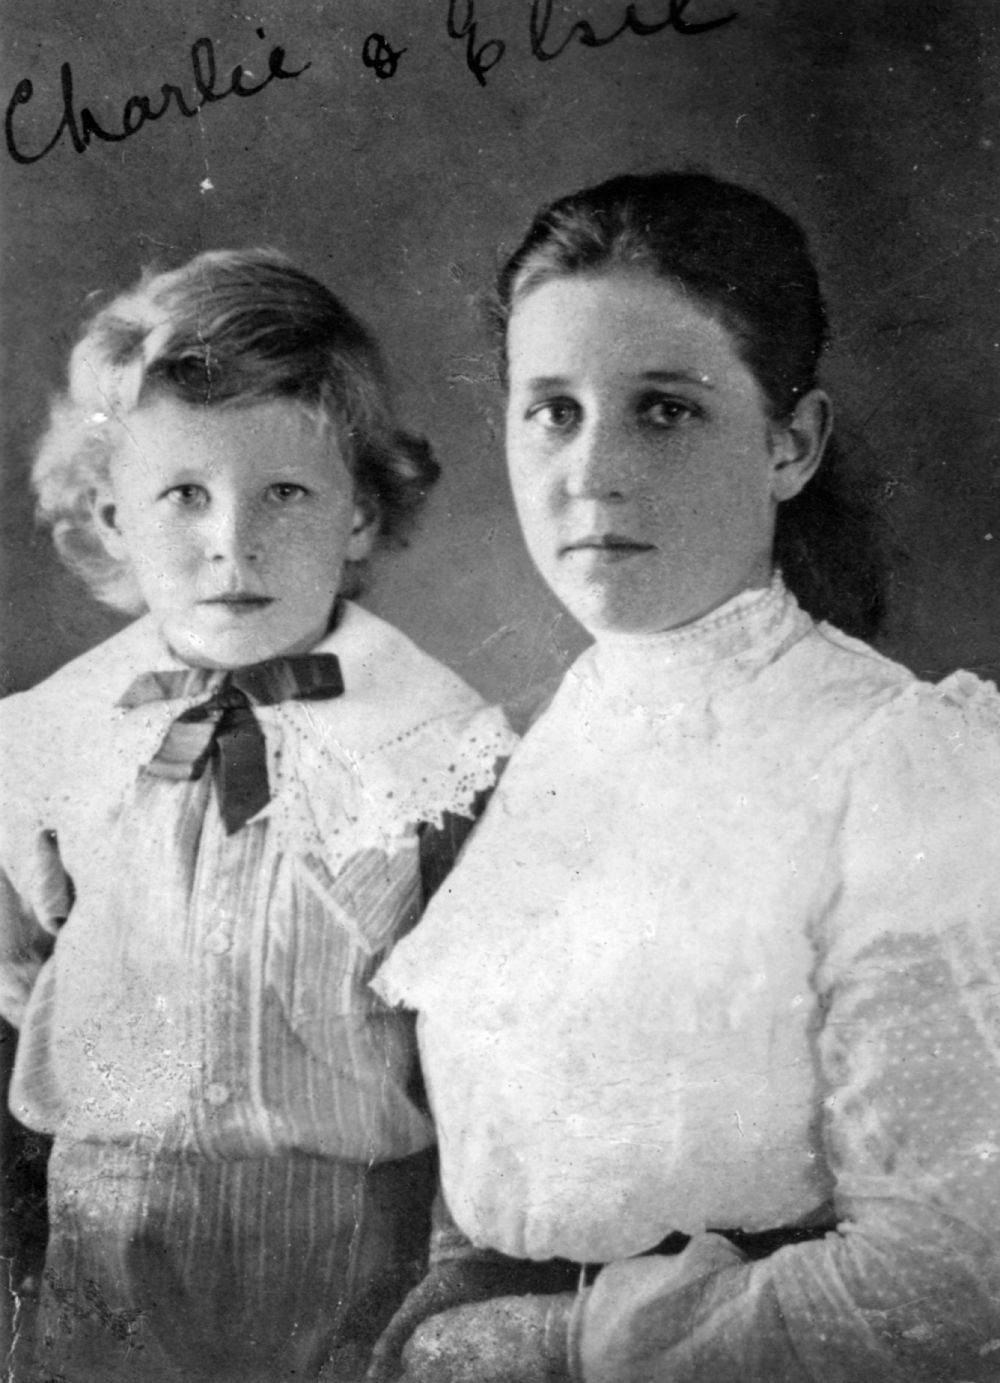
<point x="228" y="328"/>
<point x="747" y="264"/>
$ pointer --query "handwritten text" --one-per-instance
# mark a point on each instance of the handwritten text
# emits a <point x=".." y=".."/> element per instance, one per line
<point x="82" y="126"/>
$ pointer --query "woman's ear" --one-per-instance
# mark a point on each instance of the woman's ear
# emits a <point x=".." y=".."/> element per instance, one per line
<point x="105" y="513"/>
<point x="364" y="529"/>
<point x="797" y="445"/>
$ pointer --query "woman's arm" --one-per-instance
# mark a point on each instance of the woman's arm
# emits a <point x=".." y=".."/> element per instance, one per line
<point x="909" y="1286"/>
<point x="908" y="976"/>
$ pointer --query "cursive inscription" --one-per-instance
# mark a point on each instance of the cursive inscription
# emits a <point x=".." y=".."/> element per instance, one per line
<point x="544" y="48"/>
<point x="479" y="57"/>
<point x="547" y="45"/>
<point x="380" y="56"/>
<point x="82" y="126"/>
<point x="548" y="37"/>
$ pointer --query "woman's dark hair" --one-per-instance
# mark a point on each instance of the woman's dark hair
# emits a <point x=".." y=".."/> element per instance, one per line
<point x="748" y="265"/>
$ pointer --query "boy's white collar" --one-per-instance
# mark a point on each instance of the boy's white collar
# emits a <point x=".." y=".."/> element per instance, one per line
<point x="407" y="743"/>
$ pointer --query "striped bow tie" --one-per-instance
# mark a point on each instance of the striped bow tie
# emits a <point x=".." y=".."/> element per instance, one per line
<point x="223" y="729"/>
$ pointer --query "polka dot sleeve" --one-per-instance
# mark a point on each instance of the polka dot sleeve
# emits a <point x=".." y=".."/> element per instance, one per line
<point x="908" y="972"/>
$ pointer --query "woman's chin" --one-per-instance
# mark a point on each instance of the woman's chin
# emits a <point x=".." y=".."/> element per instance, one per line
<point x="604" y="616"/>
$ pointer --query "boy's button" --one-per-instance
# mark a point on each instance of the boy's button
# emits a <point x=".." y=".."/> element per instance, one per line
<point x="217" y="1093"/>
<point x="218" y="943"/>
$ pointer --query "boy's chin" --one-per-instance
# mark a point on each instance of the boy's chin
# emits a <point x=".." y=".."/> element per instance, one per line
<point x="234" y="650"/>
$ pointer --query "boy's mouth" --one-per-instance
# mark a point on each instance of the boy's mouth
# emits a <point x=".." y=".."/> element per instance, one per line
<point x="238" y="600"/>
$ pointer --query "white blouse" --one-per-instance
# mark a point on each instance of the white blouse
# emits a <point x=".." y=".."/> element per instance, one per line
<point x="726" y="948"/>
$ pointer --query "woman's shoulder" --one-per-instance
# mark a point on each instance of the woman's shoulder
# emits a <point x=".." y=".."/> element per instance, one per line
<point x="973" y="698"/>
<point x="903" y="704"/>
<point x="861" y="727"/>
<point x="834" y="670"/>
<point x="918" y="824"/>
<point x="920" y="750"/>
<point x="848" y="667"/>
<point x="910" y="788"/>
<point x="945" y="738"/>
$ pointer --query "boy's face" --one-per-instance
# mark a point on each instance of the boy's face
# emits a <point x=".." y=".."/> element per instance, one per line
<point x="237" y="523"/>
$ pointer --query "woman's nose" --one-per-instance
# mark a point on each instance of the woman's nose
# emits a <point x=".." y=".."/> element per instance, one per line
<point x="597" y="466"/>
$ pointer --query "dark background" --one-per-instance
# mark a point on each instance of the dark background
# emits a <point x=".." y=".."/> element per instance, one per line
<point x="870" y="119"/>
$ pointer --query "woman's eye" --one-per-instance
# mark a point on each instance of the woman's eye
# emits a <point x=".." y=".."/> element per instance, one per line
<point x="555" y="415"/>
<point x="284" y="491"/>
<point x="187" y="496"/>
<point x="662" y="412"/>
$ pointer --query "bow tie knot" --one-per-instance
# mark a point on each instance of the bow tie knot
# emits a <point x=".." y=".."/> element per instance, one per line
<point x="223" y="730"/>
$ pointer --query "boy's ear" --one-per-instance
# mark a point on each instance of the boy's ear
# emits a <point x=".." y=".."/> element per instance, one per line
<point x="797" y="445"/>
<point x="364" y="529"/>
<point x="105" y="514"/>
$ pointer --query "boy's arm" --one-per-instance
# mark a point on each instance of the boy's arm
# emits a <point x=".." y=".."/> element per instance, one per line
<point x="28" y="928"/>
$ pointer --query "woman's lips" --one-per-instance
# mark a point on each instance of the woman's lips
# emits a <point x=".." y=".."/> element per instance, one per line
<point x="613" y="546"/>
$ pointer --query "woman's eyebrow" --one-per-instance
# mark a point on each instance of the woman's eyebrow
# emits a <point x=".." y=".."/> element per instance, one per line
<point x="548" y="382"/>
<point x="677" y="377"/>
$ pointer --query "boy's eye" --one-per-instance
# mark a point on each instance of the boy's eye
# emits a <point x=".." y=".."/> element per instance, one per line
<point x="555" y="415"/>
<point x="666" y="412"/>
<point x="188" y="496"/>
<point x="285" y="490"/>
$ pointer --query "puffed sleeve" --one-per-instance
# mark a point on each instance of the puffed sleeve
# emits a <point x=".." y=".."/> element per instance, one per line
<point x="908" y="974"/>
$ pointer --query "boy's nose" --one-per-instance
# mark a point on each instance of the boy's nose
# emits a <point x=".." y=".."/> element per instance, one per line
<point x="597" y="467"/>
<point x="233" y="536"/>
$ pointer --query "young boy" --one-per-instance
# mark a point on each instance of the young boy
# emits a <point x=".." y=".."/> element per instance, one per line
<point x="218" y="823"/>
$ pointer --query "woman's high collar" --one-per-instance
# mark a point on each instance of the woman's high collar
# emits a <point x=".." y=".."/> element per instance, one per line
<point x="727" y="646"/>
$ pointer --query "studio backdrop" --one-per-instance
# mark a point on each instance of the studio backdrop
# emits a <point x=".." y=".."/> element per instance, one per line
<point x="397" y="148"/>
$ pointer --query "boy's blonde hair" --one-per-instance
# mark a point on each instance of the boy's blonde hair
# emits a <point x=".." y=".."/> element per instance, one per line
<point x="230" y="327"/>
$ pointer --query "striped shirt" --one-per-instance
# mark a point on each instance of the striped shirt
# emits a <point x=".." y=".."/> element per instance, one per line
<point x="188" y="990"/>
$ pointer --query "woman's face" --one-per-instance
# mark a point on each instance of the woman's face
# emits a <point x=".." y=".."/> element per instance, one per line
<point x="645" y="469"/>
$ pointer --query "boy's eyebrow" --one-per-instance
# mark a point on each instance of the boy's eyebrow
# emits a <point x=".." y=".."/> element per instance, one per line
<point x="547" y="382"/>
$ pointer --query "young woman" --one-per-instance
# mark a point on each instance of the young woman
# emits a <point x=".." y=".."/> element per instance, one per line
<point x="711" y="1007"/>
